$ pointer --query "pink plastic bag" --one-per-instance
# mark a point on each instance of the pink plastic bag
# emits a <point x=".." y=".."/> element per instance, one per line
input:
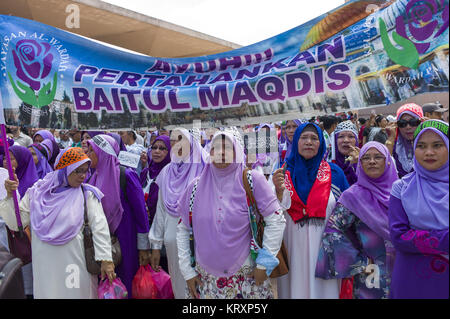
<point x="143" y="286"/>
<point x="116" y="290"/>
<point x="163" y="283"/>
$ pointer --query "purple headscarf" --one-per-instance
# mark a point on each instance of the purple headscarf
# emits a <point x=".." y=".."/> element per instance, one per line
<point x="107" y="178"/>
<point x="44" y="134"/>
<point x="368" y="198"/>
<point x="26" y="170"/>
<point x="57" y="208"/>
<point x="176" y="176"/>
<point x="220" y="213"/>
<point x="151" y="172"/>
<point x="53" y="149"/>
<point x="424" y="194"/>
<point x="42" y="166"/>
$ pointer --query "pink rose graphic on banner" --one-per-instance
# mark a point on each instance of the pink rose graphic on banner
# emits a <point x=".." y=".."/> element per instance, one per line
<point x="33" y="62"/>
<point x="422" y="22"/>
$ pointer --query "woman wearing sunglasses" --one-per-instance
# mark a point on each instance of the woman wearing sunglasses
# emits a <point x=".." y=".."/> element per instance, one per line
<point x="409" y="117"/>
<point x="158" y="157"/>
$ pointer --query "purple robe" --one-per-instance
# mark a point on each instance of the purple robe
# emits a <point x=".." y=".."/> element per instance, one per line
<point x="421" y="261"/>
<point x="134" y="221"/>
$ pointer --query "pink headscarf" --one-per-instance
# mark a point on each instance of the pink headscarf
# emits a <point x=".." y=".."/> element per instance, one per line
<point x="220" y="213"/>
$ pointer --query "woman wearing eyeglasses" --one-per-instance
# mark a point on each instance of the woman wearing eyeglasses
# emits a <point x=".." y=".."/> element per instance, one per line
<point x="54" y="208"/>
<point x="356" y="241"/>
<point x="409" y="116"/>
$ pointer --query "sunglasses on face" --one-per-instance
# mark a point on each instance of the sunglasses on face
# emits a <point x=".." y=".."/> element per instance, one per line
<point x="411" y="122"/>
<point x="161" y="148"/>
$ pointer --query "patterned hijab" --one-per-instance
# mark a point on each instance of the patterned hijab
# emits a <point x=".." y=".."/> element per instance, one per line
<point x="348" y="168"/>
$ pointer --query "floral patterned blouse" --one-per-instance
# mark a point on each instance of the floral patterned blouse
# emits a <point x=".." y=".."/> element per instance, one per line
<point x="350" y="248"/>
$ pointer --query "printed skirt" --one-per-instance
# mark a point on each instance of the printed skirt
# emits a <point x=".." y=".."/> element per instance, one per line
<point x="238" y="286"/>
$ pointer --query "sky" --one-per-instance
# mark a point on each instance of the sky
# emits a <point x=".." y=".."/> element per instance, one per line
<point x="242" y="22"/>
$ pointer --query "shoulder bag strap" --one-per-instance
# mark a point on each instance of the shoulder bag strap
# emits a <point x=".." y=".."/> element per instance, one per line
<point x="191" y="231"/>
<point x="86" y="222"/>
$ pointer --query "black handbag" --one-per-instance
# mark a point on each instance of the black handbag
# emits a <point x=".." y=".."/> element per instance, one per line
<point x="93" y="266"/>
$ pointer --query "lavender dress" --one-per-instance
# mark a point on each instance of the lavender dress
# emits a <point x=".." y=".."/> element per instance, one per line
<point x="421" y="261"/>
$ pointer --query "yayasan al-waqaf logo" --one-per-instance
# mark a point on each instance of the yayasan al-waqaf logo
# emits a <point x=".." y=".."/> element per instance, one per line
<point x="32" y="80"/>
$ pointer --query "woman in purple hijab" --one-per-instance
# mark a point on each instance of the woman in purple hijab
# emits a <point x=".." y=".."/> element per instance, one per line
<point x="40" y="154"/>
<point x="356" y="240"/>
<point x="188" y="159"/>
<point x="418" y="218"/>
<point x="25" y="169"/>
<point x="215" y="205"/>
<point x="54" y="209"/>
<point x="160" y="149"/>
<point x="41" y="135"/>
<point x="53" y="150"/>
<point x="124" y="208"/>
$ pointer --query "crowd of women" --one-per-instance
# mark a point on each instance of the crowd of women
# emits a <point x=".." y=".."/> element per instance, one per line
<point x="360" y="213"/>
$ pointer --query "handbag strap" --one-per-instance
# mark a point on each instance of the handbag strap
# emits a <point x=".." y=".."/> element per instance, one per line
<point x="191" y="231"/>
<point x="252" y="208"/>
<point x="86" y="222"/>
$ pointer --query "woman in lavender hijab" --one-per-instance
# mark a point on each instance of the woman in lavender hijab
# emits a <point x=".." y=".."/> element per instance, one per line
<point x="41" y="135"/>
<point x="124" y="209"/>
<point x="53" y="150"/>
<point x="224" y="265"/>
<point x="187" y="162"/>
<point x="418" y="218"/>
<point x="54" y="207"/>
<point x="356" y="241"/>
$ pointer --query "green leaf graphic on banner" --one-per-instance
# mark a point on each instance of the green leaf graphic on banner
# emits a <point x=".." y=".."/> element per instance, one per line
<point x="28" y="96"/>
<point x="408" y="56"/>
